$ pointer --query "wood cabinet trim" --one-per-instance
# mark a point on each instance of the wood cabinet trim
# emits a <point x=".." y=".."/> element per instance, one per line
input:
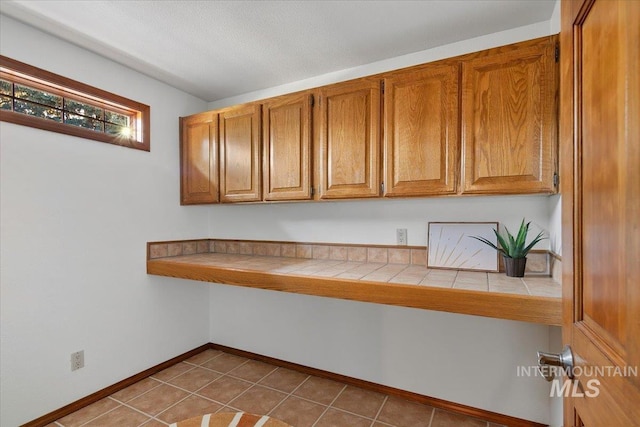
<point x="252" y="192"/>
<point x="444" y="145"/>
<point x="541" y="177"/>
<point x="377" y="167"/>
<point x="211" y="193"/>
<point x="369" y="185"/>
<point x="302" y="191"/>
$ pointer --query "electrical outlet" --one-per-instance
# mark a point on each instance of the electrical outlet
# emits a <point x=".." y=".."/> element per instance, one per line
<point x="77" y="360"/>
<point x="401" y="236"/>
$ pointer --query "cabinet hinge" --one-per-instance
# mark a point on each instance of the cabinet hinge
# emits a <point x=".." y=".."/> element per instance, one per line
<point x="557" y="52"/>
<point x="382" y="86"/>
<point x="382" y="187"/>
<point x="556" y="179"/>
<point x="313" y="191"/>
<point x="312" y="101"/>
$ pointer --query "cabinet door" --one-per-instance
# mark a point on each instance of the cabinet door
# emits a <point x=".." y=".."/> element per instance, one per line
<point x="421" y="131"/>
<point x="350" y="140"/>
<point x="240" y="168"/>
<point x="199" y="159"/>
<point x="509" y="119"/>
<point x="286" y="127"/>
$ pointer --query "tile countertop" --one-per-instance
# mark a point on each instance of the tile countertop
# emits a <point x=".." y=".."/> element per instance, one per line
<point x="533" y="298"/>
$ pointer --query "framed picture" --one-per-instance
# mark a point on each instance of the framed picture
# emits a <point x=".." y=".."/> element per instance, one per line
<point x="451" y="246"/>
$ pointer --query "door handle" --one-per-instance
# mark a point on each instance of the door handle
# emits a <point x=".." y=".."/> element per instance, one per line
<point x="564" y="360"/>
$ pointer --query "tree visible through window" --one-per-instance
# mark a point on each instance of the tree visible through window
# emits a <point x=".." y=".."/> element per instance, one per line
<point x="37" y="98"/>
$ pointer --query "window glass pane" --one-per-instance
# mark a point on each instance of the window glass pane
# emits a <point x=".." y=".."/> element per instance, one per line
<point x="86" y="110"/>
<point x="39" y="96"/>
<point x="36" y="110"/>
<point x="81" y="121"/>
<point x="5" y="87"/>
<point x="5" y="103"/>
<point x="117" y="118"/>
<point x="123" y="131"/>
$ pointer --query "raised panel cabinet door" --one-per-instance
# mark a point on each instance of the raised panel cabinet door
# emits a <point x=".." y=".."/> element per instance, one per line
<point x="240" y="167"/>
<point x="421" y="131"/>
<point x="350" y="140"/>
<point x="286" y="134"/>
<point x="199" y="159"/>
<point x="600" y="141"/>
<point x="509" y="119"/>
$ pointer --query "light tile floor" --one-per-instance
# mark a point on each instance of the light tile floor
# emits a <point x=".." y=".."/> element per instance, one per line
<point x="214" y="381"/>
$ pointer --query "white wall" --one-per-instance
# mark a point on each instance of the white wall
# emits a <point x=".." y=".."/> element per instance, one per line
<point x="372" y="221"/>
<point x="465" y="359"/>
<point x="75" y="217"/>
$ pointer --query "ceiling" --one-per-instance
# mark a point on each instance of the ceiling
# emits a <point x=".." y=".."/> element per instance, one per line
<point x="218" y="49"/>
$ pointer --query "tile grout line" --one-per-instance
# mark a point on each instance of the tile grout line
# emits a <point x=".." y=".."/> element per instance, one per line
<point x="193" y="393"/>
<point x="223" y="405"/>
<point x="254" y="384"/>
<point x="229" y="405"/>
<point x="101" y="414"/>
<point x="433" y="414"/>
<point x="399" y="272"/>
<point x="329" y="406"/>
<point x="526" y="287"/>
<point x="190" y="393"/>
<point x="288" y="395"/>
<point x="154" y="417"/>
<point x="375" y="417"/>
<point x="335" y="408"/>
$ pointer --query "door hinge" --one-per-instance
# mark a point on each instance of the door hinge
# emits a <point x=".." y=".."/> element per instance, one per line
<point x="312" y="101"/>
<point x="556" y="179"/>
<point x="557" y="52"/>
<point x="382" y="86"/>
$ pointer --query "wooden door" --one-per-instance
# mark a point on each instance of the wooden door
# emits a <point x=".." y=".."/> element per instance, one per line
<point x="421" y="131"/>
<point x="240" y="167"/>
<point x="509" y="119"/>
<point x="199" y="159"/>
<point x="286" y="127"/>
<point x="600" y="139"/>
<point x="350" y="139"/>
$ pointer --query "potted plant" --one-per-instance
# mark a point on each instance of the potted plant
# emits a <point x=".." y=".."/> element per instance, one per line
<point x="514" y="250"/>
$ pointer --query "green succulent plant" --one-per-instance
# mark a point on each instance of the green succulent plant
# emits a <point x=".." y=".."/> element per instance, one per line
<point x="512" y="247"/>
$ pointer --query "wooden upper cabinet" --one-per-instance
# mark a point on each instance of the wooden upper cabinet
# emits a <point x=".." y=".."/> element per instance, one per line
<point x="421" y="131"/>
<point x="350" y="139"/>
<point x="482" y="123"/>
<point x="199" y="159"/>
<point x="240" y="167"/>
<point x="286" y="134"/>
<point x="509" y="119"/>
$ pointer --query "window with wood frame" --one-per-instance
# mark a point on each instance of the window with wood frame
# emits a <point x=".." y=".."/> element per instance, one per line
<point x="34" y="97"/>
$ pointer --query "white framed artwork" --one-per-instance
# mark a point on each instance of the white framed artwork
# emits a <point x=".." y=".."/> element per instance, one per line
<point x="451" y="246"/>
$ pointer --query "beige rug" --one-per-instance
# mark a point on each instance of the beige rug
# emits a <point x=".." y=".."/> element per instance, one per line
<point x="231" y="419"/>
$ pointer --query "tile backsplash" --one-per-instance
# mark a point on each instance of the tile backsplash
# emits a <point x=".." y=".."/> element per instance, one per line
<point x="540" y="263"/>
<point x="338" y="252"/>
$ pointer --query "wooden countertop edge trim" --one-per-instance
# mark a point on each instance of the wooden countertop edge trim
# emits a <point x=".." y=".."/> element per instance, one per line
<point x="534" y="309"/>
